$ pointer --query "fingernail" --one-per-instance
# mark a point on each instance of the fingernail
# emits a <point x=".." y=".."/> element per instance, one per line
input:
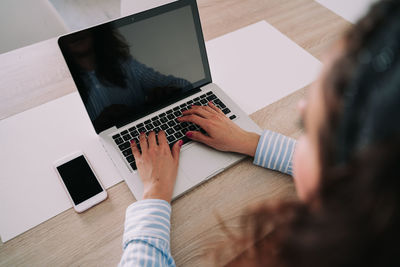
<point x="180" y="143"/>
<point x="132" y="141"/>
<point x="189" y="134"/>
<point x="179" y="118"/>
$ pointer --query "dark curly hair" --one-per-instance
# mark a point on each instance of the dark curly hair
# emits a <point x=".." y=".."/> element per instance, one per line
<point x="354" y="217"/>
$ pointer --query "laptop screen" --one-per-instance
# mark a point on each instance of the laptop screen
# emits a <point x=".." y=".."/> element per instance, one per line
<point x="131" y="67"/>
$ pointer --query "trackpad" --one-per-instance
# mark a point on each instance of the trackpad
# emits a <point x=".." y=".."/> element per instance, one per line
<point x="199" y="161"/>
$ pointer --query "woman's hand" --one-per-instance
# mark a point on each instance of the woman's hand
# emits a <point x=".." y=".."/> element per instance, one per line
<point x="222" y="133"/>
<point x="157" y="165"/>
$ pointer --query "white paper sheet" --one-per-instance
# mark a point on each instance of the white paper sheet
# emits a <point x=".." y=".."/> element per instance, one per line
<point x="30" y="192"/>
<point x="257" y="65"/>
<point x="351" y="10"/>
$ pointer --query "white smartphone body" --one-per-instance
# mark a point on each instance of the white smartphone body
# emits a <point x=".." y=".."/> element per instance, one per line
<point x="79" y="181"/>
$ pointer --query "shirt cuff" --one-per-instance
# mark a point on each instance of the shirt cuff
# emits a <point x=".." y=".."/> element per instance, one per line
<point x="148" y="218"/>
<point x="275" y="151"/>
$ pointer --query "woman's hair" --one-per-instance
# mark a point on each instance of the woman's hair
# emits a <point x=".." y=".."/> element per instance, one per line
<point x="354" y="216"/>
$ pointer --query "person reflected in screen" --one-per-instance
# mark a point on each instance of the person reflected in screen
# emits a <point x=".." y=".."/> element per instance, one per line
<point x="346" y="167"/>
<point x="111" y="82"/>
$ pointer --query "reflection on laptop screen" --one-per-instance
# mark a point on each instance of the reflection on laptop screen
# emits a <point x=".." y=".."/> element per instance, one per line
<point x="133" y="66"/>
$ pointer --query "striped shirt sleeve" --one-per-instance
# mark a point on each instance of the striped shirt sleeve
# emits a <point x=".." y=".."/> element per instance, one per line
<point x="275" y="151"/>
<point x="146" y="240"/>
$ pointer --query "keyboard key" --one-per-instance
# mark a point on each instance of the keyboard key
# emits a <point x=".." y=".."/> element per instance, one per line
<point x="140" y="125"/>
<point x="163" y="119"/>
<point x="170" y="116"/>
<point x="222" y="106"/>
<point x="197" y="103"/>
<point x="184" y="124"/>
<point x="119" y="141"/>
<point x="137" y="142"/>
<point x="127" y="137"/>
<point x="130" y="159"/>
<point x="147" y="122"/>
<point x="170" y="131"/>
<point x="134" y="133"/>
<point x="190" y="102"/>
<point x="196" y="99"/>
<point x="184" y="130"/>
<point x="156" y="123"/>
<point x="178" y="135"/>
<point x="209" y="93"/>
<point x="142" y="130"/>
<point x="133" y="165"/>
<point x="226" y="111"/>
<point x="211" y="97"/>
<point x="116" y="136"/>
<point x="183" y="105"/>
<point x="127" y="152"/>
<point x="157" y="129"/>
<point x="124" y="146"/>
<point x="169" y="111"/>
<point x="149" y="126"/>
<point x="178" y="113"/>
<point x="203" y="96"/>
<point x="192" y="128"/>
<point x="132" y="129"/>
<point x="162" y="114"/>
<point x="164" y="127"/>
<point x="171" y="139"/>
<point x="177" y="127"/>
<point x="175" y="108"/>
<point x="232" y="117"/>
<point x="203" y="101"/>
<point x="171" y="123"/>
<point x="186" y="140"/>
<point x="154" y="118"/>
<point x="124" y="132"/>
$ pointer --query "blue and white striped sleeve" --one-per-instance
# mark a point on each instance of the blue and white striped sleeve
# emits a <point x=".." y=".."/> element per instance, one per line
<point x="275" y="151"/>
<point x="146" y="240"/>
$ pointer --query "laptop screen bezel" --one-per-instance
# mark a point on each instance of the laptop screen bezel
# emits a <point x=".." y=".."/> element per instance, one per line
<point x="120" y="22"/>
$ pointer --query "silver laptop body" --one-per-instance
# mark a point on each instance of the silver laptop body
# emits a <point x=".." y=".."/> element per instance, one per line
<point x="164" y="43"/>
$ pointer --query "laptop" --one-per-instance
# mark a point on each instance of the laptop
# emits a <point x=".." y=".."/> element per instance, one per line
<point x="137" y="74"/>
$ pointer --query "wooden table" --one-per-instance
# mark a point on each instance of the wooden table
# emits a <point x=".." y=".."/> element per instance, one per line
<point x="94" y="238"/>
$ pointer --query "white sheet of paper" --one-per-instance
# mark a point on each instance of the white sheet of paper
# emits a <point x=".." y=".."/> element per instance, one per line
<point x="31" y="141"/>
<point x="255" y="65"/>
<point x="351" y="10"/>
<point x="258" y="65"/>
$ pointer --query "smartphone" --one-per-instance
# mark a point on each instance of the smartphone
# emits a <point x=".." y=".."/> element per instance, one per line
<point x="80" y="182"/>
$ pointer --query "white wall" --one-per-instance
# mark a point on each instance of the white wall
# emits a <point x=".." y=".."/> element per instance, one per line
<point x="24" y="22"/>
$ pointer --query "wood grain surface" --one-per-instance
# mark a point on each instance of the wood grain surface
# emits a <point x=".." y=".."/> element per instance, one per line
<point x="94" y="238"/>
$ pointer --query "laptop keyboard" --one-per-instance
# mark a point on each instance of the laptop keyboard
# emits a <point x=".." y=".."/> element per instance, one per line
<point x="167" y="121"/>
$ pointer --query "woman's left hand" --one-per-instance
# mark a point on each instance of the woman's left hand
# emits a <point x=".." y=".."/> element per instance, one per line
<point x="157" y="165"/>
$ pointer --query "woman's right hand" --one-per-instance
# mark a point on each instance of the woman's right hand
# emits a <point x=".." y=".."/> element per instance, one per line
<point x="222" y="133"/>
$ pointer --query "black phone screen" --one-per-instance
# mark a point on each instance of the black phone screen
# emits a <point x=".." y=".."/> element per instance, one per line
<point x="79" y="179"/>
